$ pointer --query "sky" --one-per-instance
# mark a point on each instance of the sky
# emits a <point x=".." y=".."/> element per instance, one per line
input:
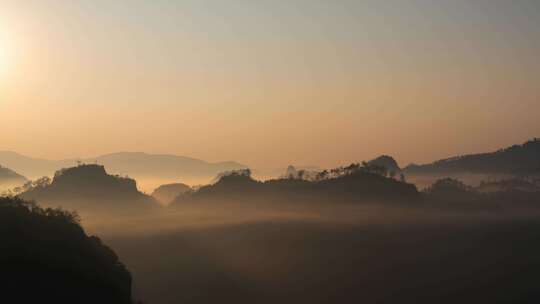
<point x="269" y="83"/>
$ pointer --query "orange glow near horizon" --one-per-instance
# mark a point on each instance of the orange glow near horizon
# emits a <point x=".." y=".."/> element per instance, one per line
<point x="268" y="84"/>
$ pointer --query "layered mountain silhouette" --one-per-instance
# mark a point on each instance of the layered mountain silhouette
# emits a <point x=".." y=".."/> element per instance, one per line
<point x="137" y="165"/>
<point x="509" y="185"/>
<point x="165" y="194"/>
<point x="142" y="165"/>
<point x="9" y="178"/>
<point x="508" y="194"/>
<point x="352" y="183"/>
<point x="89" y="187"/>
<point x="33" y="168"/>
<point x="46" y="257"/>
<point x="515" y="160"/>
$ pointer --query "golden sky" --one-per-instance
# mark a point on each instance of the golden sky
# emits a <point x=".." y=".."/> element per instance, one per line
<point x="268" y="83"/>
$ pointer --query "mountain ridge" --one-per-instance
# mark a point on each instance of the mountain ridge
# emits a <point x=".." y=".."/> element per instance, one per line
<point x="140" y="165"/>
<point x="89" y="187"/>
<point x="9" y="178"/>
<point x="513" y="160"/>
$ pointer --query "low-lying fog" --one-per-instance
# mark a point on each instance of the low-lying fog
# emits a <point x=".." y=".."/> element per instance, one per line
<point x="287" y="252"/>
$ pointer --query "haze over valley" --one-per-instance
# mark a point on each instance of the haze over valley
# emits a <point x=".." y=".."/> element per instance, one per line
<point x="264" y="151"/>
<point x="151" y="170"/>
<point x="232" y="238"/>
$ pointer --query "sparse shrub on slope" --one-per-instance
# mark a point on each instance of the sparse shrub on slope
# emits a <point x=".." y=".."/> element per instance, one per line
<point x="46" y="257"/>
<point x="353" y="183"/>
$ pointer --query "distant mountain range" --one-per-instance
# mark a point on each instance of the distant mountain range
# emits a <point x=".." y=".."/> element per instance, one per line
<point x="515" y="160"/>
<point x="156" y="169"/>
<point x="165" y="194"/>
<point x="9" y="178"/>
<point x="134" y="164"/>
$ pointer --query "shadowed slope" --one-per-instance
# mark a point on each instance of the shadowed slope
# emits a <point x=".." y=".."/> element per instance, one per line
<point x="515" y="160"/>
<point x="46" y="257"/>
<point x="90" y="187"/>
<point x="358" y="184"/>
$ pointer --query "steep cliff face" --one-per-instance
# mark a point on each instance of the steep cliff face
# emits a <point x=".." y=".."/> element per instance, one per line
<point x="89" y="186"/>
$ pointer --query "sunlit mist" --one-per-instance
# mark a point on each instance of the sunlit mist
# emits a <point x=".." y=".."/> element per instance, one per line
<point x="3" y="55"/>
<point x="269" y="83"/>
<point x="270" y="151"/>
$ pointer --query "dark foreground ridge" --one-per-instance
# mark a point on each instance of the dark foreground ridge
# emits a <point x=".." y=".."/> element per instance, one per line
<point x="46" y="257"/>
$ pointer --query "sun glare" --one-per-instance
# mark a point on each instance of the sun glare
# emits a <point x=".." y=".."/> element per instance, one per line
<point x="5" y="55"/>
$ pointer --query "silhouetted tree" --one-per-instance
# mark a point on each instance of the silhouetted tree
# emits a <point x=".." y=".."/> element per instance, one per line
<point x="46" y="257"/>
<point x="322" y="175"/>
<point x="350" y="183"/>
<point x="301" y="174"/>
